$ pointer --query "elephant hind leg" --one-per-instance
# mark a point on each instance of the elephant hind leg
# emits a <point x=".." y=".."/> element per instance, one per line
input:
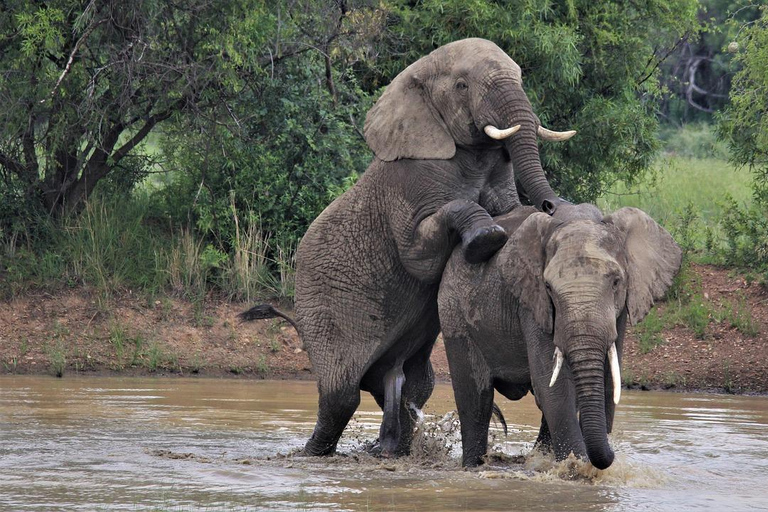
<point x="391" y="431"/>
<point x="336" y="407"/>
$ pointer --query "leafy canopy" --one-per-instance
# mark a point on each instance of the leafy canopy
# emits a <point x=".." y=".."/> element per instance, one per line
<point x="744" y="123"/>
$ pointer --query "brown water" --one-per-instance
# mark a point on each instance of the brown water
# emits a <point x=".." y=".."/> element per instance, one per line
<point x="199" y="444"/>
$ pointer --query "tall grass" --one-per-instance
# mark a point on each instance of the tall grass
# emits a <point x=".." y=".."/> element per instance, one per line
<point x="112" y="244"/>
<point x="248" y="273"/>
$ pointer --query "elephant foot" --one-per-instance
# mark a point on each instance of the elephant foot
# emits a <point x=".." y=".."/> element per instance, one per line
<point x="315" y="449"/>
<point x="472" y="461"/>
<point x="482" y="243"/>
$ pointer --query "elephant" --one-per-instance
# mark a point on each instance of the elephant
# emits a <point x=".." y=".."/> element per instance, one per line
<point x="547" y="314"/>
<point x="449" y="134"/>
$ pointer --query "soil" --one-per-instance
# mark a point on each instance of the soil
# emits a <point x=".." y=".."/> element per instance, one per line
<point x="77" y="331"/>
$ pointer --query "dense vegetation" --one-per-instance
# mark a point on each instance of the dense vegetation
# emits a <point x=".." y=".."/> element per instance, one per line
<point x="186" y="147"/>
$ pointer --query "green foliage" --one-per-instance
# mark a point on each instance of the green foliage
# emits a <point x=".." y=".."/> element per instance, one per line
<point x="117" y="244"/>
<point x="745" y="127"/>
<point x="261" y="110"/>
<point x="746" y="235"/>
<point x="290" y="158"/>
<point x="696" y="315"/>
<point x="84" y="83"/>
<point x="58" y="358"/>
<point x="744" y="124"/>
<point x="262" y="366"/>
<point x="696" y="78"/>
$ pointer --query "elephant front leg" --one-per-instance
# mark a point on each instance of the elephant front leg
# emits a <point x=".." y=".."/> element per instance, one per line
<point x="544" y="440"/>
<point x="560" y="428"/>
<point x="427" y="253"/>
<point x="473" y="391"/>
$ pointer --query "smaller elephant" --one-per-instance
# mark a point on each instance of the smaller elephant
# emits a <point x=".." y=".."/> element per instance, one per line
<point x="563" y="287"/>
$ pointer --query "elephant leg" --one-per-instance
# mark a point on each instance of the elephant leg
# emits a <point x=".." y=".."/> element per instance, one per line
<point x="481" y="237"/>
<point x="419" y="384"/>
<point x="544" y="440"/>
<point x="473" y="390"/>
<point x="427" y="252"/>
<point x="390" y="431"/>
<point x="336" y="407"/>
<point x="558" y="402"/>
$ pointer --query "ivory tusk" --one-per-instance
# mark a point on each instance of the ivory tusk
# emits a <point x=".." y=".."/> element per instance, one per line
<point x="555" y="136"/>
<point x="613" y="357"/>
<point x="558" y="357"/>
<point x="497" y="134"/>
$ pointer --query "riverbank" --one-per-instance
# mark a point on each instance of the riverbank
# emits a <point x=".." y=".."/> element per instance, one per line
<point x="76" y="331"/>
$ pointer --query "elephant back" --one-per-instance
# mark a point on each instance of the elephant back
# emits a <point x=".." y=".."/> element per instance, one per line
<point x="512" y="220"/>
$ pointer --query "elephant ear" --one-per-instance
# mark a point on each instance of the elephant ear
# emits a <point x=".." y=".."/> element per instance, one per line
<point x="653" y="259"/>
<point x="523" y="268"/>
<point x="404" y="123"/>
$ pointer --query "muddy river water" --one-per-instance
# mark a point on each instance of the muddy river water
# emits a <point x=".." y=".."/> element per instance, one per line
<point x="206" y="444"/>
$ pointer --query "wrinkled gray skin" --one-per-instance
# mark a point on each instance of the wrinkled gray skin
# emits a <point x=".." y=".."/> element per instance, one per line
<point x="570" y="283"/>
<point x="368" y="268"/>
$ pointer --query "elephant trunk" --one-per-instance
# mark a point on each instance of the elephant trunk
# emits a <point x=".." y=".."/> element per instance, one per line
<point x="588" y="367"/>
<point x="506" y="106"/>
<point x="524" y="152"/>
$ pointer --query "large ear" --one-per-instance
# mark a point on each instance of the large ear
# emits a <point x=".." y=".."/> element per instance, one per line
<point x="653" y="259"/>
<point x="523" y="259"/>
<point x="404" y="123"/>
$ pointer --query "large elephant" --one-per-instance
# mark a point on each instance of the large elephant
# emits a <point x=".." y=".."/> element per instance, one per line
<point x="562" y="287"/>
<point x="447" y="134"/>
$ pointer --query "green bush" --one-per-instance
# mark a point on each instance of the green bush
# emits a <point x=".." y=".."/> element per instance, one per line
<point x="287" y="162"/>
<point x="746" y="235"/>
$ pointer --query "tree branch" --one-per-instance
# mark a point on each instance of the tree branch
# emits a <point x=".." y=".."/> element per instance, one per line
<point x="13" y="165"/>
<point x="71" y="60"/>
<point x="680" y="41"/>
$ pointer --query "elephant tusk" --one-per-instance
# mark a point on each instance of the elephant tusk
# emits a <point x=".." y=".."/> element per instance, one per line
<point x="555" y="136"/>
<point x="558" y="357"/>
<point x="613" y="357"/>
<point x="497" y="134"/>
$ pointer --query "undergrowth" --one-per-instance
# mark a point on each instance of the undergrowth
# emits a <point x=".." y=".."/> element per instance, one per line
<point x="117" y="244"/>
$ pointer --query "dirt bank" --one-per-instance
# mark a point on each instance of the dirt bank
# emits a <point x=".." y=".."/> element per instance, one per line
<point x="76" y="331"/>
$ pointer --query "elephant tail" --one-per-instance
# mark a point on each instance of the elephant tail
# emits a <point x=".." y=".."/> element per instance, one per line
<point x="264" y="311"/>
<point x="500" y="417"/>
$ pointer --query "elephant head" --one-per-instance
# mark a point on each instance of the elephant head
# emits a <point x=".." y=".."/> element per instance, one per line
<point x="468" y="93"/>
<point x="582" y="280"/>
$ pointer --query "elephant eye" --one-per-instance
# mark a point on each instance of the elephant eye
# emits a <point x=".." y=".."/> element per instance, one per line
<point x="615" y="283"/>
<point x="461" y="85"/>
<point x="548" y="287"/>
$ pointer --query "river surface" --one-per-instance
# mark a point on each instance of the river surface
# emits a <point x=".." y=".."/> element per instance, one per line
<point x="206" y="444"/>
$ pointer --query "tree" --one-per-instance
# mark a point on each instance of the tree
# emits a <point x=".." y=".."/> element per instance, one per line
<point x="84" y="84"/>
<point x="697" y="76"/>
<point x="291" y="140"/>
<point x="744" y="124"/>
